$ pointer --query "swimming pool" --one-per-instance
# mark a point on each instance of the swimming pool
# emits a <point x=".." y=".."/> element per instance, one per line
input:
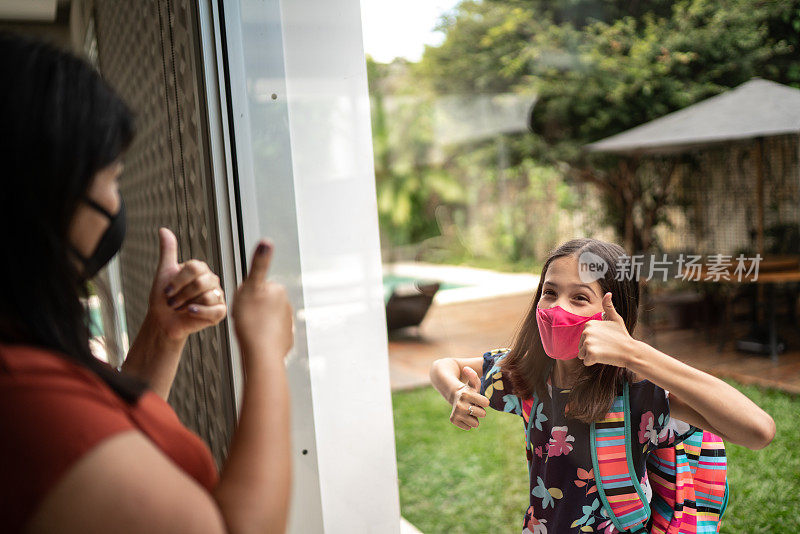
<point x="458" y="283"/>
<point x="391" y="281"/>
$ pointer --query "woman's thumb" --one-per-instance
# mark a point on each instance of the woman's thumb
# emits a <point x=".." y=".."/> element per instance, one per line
<point x="168" y="249"/>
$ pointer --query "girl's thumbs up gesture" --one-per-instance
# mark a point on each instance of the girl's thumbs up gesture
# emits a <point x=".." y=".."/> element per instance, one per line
<point x="468" y="403"/>
<point x="606" y="341"/>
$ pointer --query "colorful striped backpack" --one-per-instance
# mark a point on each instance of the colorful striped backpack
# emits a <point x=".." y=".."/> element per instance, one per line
<point x="688" y="479"/>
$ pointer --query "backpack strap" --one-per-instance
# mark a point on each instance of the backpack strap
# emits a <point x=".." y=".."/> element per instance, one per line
<point x="617" y="484"/>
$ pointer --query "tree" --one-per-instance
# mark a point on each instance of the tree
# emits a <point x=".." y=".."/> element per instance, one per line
<point x="602" y="67"/>
<point x="408" y="187"/>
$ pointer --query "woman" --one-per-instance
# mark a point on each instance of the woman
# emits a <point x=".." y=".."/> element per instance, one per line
<point x="576" y="364"/>
<point x="86" y="448"/>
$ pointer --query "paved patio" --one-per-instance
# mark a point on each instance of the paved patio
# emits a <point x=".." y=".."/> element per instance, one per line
<point x="470" y="328"/>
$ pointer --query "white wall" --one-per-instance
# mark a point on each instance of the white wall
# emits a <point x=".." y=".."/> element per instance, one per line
<point x="301" y="142"/>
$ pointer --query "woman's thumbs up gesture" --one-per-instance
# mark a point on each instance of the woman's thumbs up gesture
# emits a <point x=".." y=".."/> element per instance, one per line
<point x="185" y="297"/>
<point x="261" y="312"/>
<point x="606" y="341"/>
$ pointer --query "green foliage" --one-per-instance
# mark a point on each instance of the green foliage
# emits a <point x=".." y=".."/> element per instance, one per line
<point x="629" y="64"/>
<point x="476" y="481"/>
<point x="486" y="202"/>
<point x="633" y="71"/>
<point x="409" y="188"/>
<point x="517" y="199"/>
<point x="596" y="68"/>
<point x="478" y="55"/>
<point x="599" y="68"/>
<point x="580" y="13"/>
<point x="455" y="481"/>
<point x="634" y="63"/>
<point x="765" y="484"/>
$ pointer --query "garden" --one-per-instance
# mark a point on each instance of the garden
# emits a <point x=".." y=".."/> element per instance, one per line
<point x="475" y="482"/>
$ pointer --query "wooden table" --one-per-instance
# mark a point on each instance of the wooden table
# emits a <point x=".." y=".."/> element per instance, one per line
<point x="768" y="280"/>
<point x="779" y="262"/>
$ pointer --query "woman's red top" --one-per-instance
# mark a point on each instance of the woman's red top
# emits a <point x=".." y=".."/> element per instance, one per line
<point x="53" y="411"/>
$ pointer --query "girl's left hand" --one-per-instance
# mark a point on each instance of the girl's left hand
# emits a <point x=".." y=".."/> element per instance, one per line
<point x="185" y="297"/>
<point x="606" y="341"/>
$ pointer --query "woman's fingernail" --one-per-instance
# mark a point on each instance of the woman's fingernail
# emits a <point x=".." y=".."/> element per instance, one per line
<point x="262" y="248"/>
<point x="193" y="309"/>
<point x="168" y="290"/>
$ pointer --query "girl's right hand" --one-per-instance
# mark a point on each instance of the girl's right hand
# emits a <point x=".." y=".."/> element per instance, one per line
<point x="262" y="315"/>
<point x="468" y="403"/>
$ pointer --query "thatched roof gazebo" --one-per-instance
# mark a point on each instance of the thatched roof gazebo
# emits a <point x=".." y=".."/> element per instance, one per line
<point x="758" y="108"/>
<point x="745" y="117"/>
<point x="733" y="179"/>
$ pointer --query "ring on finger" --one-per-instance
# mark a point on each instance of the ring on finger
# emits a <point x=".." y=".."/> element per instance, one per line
<point x="469" y="410"/>
<point x="217" y="293"/>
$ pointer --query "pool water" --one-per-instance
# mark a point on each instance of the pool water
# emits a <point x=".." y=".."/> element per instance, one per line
<point x="95" y="321"/>
<point x="390" y="281"/>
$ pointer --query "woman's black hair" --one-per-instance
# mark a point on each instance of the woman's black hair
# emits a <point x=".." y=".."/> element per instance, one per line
<point x="61" y="124"/>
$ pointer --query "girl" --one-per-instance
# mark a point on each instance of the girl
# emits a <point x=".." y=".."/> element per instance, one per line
<point x="573" y="352"/>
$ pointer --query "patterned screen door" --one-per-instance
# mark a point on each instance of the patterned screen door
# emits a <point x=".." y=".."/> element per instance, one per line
<point x="148" y="51"/>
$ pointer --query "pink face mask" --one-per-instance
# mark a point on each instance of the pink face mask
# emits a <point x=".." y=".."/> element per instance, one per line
<point x="561" y="331"/>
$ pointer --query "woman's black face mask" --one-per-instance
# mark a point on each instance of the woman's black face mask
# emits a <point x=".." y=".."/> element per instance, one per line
<point x="110" y="242"/>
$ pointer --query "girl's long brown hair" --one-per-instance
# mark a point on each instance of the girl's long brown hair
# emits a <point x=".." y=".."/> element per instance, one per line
<point x="527" y="366"/>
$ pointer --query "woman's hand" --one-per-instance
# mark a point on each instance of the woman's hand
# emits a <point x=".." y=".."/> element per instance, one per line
<point x="185" y="297"/>
<point x="262" y="315"/>
<point x="606" y="341"/>
<point x="196" y="301"/>
<point x="468" y="404"/>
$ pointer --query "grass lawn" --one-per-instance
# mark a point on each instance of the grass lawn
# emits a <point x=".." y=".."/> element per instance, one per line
<point x="476" y="482"/>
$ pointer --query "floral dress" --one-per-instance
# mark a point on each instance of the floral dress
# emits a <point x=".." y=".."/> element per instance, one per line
<point x="563" y="494"/>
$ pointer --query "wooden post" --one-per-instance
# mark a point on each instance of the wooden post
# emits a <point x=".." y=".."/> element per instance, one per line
<point x="759" y="157"/>
<point x="759" y="162"/>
